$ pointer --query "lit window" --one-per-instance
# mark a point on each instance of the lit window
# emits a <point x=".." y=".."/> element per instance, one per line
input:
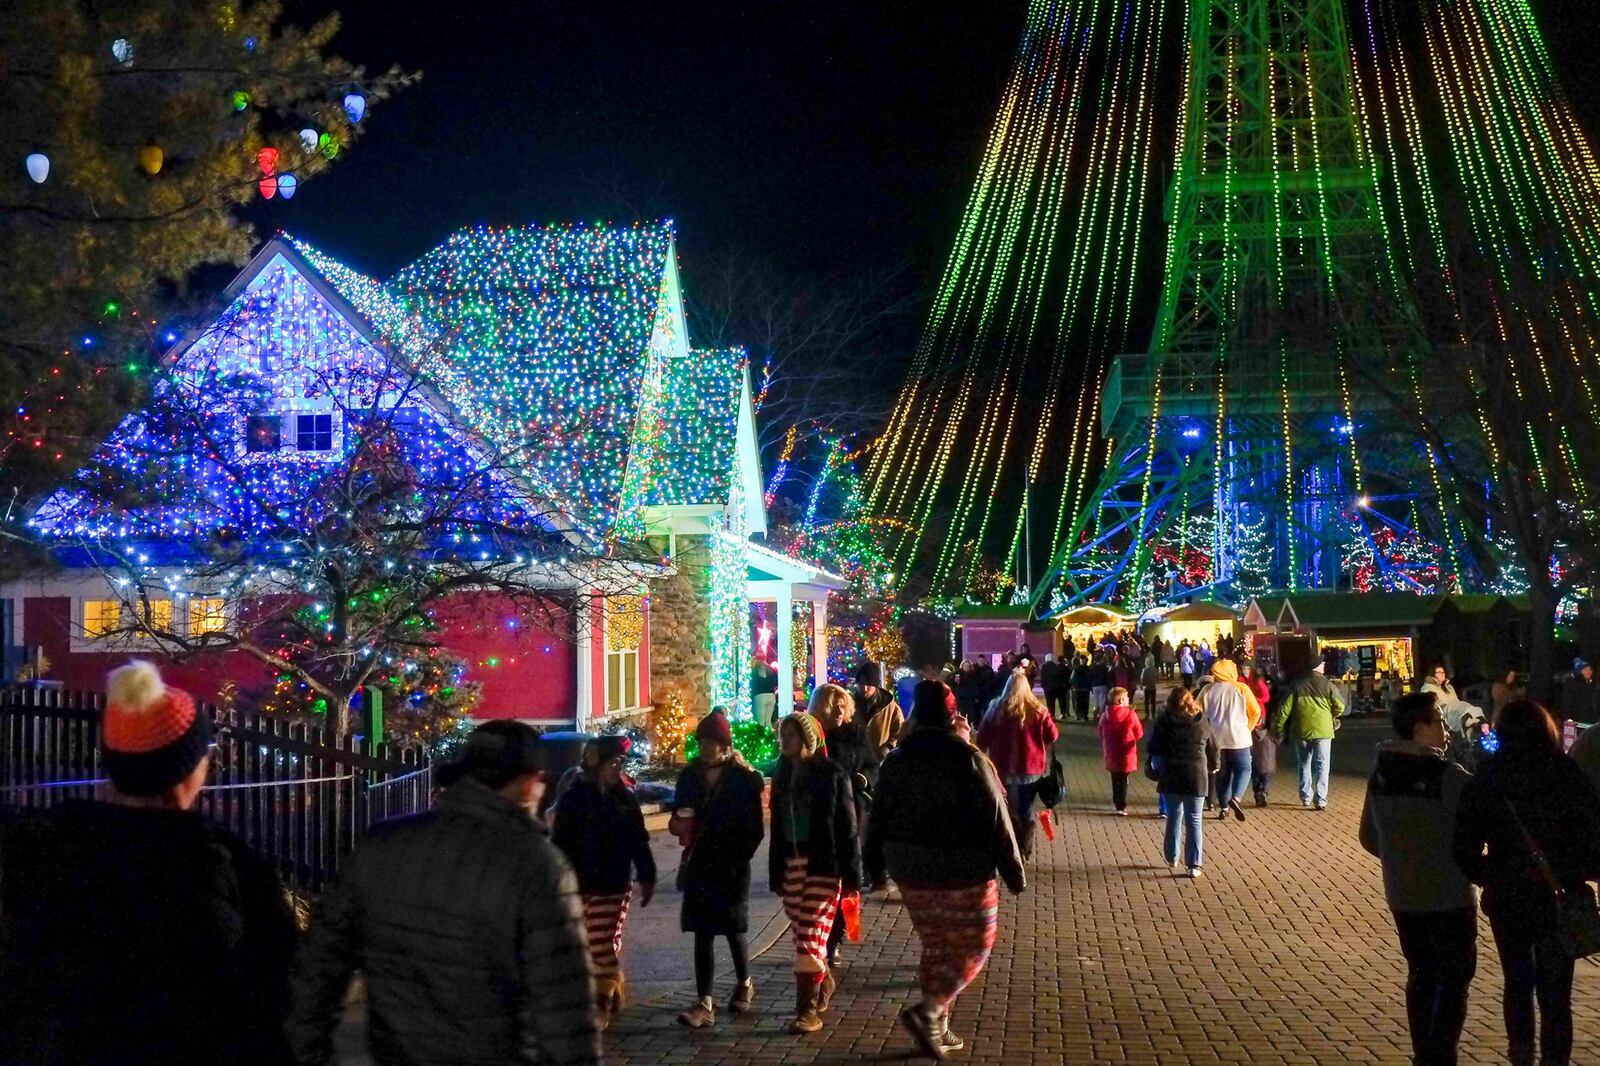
<point x="624" y="635"/>
<point x="313" y="433"/>
<point x="156" y="615"/>
<point x="206" y="615"/>
<point x="262" y="433"/>
<point x="101" y="618"/>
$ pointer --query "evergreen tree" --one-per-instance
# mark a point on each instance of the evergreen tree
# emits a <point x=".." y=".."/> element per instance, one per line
<point x="147" y="121"/>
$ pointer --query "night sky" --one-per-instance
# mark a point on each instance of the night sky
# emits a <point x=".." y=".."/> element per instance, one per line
<point x="823" y="138"/>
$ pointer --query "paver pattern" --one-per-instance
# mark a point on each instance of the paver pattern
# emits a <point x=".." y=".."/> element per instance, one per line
<point x="1282" y="954"/>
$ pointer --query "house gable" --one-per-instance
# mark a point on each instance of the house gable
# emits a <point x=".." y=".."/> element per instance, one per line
<point x="287" y="359"/>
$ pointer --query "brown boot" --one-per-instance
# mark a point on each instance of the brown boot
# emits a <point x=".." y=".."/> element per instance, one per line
<point x="606" y="993"/>
<point x="806" y="1018"/>
<point x="825" y="992"/>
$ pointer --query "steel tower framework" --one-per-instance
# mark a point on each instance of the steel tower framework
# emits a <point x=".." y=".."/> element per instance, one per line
<point x="1233" y="366"/>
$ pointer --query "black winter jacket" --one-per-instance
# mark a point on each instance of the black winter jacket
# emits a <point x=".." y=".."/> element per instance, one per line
<point x="139" y="937"/>
<point x="715" y="873"/>
<point x="1180" y="743"/>
<point x="1558" y="807"/>
<point x="602" y="834"/>
<point x="851" y="748"/>
<point x="467" y="924"/>
<point x="940" y="819"/>
<point x="833" y="846"/>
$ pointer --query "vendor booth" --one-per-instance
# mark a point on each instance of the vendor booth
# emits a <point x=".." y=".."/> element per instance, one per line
<point x="1198" y="621"/>
<point x="1089" y="623"/>
<point x="990" y="632"/>
<point x="1368" y="641"/>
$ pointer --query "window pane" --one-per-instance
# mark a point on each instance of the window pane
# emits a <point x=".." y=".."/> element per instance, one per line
<point x="314" y="433"/>
<point x="613" y="681"/>
<point x="631" y="677"/>
<point x="262" y="433"/>
<point x="101" y="617"/>
<point x="159" y="616"/>
<point x="205" y="616"/>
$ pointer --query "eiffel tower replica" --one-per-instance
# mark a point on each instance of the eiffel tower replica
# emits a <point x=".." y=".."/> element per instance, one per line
<point x="1261" y="415"/>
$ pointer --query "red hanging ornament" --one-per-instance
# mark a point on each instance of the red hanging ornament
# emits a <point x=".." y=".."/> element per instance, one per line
<point x="268" y="187"/>
<point x="267" y="158"/>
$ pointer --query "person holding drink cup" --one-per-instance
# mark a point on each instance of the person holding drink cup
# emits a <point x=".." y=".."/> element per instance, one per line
<point x="716" y="816"/>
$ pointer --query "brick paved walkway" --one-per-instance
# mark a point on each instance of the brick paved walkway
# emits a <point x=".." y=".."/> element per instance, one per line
<point x="1282" y="954"/>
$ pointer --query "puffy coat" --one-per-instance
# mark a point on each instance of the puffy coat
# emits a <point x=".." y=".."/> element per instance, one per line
<point x="1018" y="748"/>
<point x="715" y="872"/>
<point x="1558" y="807"/>
<point x="601" y="832"/>
<point x="940" y="820"/>
<point x="139" y="937"/>
<point x="1231" y="707"/>
<point x="1120" y="730"/>
<point x="1307" y="709"/>
<point x="1180" y="743"/>
<point x="467" y="925"/>
<point x="825" y="798"/>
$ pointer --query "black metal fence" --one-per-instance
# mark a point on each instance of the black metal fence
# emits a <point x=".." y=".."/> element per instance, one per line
<point x="296" y="795"/>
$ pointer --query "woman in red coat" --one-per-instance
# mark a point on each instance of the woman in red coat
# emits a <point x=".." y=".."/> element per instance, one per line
<point x="1120" y="730"/>
<point x="1016" y="733"/>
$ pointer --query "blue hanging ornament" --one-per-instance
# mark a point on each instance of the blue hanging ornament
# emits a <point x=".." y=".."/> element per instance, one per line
<point x="38" y="167"/>
<point x="122" y="51"/>
<point x="355" y="106"/>
<point x="287" y="183"/>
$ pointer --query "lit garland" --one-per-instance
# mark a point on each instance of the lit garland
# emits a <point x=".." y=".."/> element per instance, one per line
<point x="669" y="727"/>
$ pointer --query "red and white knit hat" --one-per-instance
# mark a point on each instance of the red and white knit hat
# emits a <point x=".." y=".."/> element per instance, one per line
<point x="152" y="736"/>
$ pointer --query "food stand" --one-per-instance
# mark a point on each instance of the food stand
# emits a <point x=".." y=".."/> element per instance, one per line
<point x="1087" y="623"/>
<point x="1195" y="621"/>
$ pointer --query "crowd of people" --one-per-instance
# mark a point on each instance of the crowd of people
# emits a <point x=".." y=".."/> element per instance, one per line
<point x="491" y="928"/>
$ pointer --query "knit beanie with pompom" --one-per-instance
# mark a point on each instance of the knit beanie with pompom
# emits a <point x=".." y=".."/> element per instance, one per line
<point x="152" y="736"/>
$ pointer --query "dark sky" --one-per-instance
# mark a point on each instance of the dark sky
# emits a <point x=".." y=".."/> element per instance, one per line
<point x="824" y="137"/>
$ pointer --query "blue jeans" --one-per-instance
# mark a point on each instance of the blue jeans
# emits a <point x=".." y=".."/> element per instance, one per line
<point x="1190" y="812"/>
<point x="1314" y="756"/>
<point x="1233" y="777"/>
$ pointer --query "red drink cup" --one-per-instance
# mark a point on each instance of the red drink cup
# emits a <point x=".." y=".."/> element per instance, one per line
<point x="1048" y="823"/>
<point x="850" y="907"/>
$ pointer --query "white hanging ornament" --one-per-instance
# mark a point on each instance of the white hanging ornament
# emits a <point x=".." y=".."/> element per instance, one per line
<point x="122" y="51"/>
<point x="38" y="167"/>
<point x="308" y="140"/>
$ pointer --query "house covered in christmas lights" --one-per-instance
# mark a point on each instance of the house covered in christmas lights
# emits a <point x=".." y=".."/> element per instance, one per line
<point x="542" y="375"/>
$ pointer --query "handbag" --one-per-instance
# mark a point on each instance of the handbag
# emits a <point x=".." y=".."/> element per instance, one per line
<point x="1053" y="786"/>
<point x="1577" y="914"/>
<point x="1154" y="766"/>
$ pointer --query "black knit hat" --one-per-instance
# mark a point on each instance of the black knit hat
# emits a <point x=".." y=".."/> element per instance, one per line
<point x="496" y="754"/>
<point x="869" y="673"/>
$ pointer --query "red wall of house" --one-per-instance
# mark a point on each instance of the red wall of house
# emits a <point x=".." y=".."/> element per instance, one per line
<point x="47" y="623"/>
<point x="532" y="676"/>
<point x="535" y="677"/>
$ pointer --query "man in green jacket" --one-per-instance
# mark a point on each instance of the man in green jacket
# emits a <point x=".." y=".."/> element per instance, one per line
<point x="1308" y="714"/>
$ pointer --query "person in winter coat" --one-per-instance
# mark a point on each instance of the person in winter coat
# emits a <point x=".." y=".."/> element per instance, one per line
<point x="1504" y="690"/>
<point x="1232" y="712"/>
<point x="600" y="829"/>
<point x="131" y="930"/>
<point x="1307" y="716"/>
<point x="1263" y="744"/>
<point x="879" y="713"/>
<point x="1408" y="821"/>
<point x="1149" y="677"/>
<point x="1099" y="683"/>
<point x="1055" y="678"/>
<point x="1530" y="800"/>
<point x="1580" y="696"/>
<point x="1081" y="680"/>
<point x="1016" y="734"/>
<point x="467" y="911"/>
<point x="1178" y="749"/>
<point x="848" y="746"/>
<point x="815" y="857"/>
<point x="1186" y="664"/>
<point x="941" y="826"/>
<point x="1120" y="730"/>
<point x="716" y="816"/>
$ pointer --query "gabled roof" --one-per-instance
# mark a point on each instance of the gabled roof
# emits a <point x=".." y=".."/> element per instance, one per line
<point x="543" y="338"/>
<point x="1344" y="610"/>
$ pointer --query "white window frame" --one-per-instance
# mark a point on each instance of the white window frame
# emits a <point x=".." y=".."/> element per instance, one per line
<point x="627" y="660"/>
<point x="181" y="621"/>
<point x="289" y="436"/>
